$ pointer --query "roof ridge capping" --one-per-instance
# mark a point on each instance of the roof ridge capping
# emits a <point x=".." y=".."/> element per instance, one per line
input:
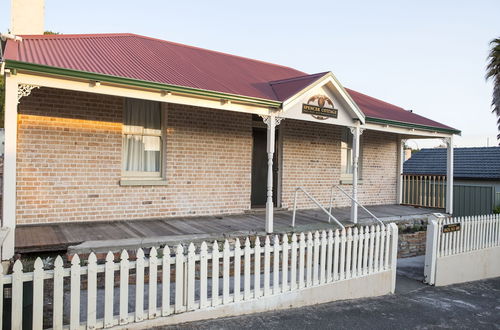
<point x="214" y="51"/>
<point x="306" y="76"/>
<point x="76" y="35"/>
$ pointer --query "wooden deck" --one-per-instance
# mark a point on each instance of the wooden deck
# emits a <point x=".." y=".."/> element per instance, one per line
<point x="58" y="237"/>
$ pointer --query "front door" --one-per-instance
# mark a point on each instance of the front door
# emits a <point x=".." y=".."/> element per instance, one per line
<point x="259" y="169"/>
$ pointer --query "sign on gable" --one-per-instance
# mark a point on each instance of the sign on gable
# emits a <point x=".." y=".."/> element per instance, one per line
<point x="315" y="107"/>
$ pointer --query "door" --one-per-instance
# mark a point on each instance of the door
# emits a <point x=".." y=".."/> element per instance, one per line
<point x="259" y="169"/>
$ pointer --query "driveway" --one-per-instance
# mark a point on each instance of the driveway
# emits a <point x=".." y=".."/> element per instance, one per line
<point x="474" y="305"/>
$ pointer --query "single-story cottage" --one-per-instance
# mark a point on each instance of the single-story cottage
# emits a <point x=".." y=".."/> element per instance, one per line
<point x="114" y="127"/>
<point x="476" y="176"/>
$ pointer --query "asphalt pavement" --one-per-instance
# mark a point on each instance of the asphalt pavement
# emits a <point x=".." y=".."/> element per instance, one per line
<point x="474" y="305"/>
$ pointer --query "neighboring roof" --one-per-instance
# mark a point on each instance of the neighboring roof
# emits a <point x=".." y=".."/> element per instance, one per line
<point x="468" y="163"/>
<point x="144" y="59"/>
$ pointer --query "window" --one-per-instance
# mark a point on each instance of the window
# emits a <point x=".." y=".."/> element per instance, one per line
<point x="346" y="155"/>
<point x="142" y="139"/>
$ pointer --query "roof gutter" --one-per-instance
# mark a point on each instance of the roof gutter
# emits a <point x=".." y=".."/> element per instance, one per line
<point x="410" y="125"/>
<point x="45" y="69"/>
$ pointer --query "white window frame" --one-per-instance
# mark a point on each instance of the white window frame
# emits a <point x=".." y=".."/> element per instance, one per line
<point x="135" y="177"/>
<point x="348" y="177"/>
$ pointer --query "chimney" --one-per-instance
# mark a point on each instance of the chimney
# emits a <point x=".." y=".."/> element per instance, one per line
<point x="27" y="17"/>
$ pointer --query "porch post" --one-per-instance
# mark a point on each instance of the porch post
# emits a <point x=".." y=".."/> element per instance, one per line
<point x="9" y="177"/>
<point x="356" y="133"/>
<point x="449" y="175"/>
<point x="271" y="121"/>
<point x="401" y="160"/>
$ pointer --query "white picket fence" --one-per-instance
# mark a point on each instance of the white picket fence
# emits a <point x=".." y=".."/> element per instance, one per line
<point x="176" y="281"/>
<point x="472" y="233"/>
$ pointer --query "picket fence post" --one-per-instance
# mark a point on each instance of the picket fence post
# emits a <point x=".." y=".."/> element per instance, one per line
<point x="215" y="274"/>
<point x="109" y="284"/>
<point x="310" y="245"/>
<point x="37" y="294"/>
<point x="165" y="303"/>
<point x="57" y="309"/>
<point x="17" y="295"/>
<point x="256" y="274"/>
<point x="284" y="263"/>
<point x="247" y="259"/>
<point x="225" y="272"/>
<point x="92" y="291"/>
<point x="75" y="293"/>
<point x="293" y="263"/>
<point x="179" y="279"/>
<point x="203" y="274"/>
<point x="153" y="278"/>
<point x="394" y="254"/>
<point x="329" y="257"/>
<point x="302" y="247"/>
<point x="431" y="250"/>
<point x="237" y="270"/>
<point x="139" y="285"/>
<point x="124" y="294"/>
<point x="276" y="265"/>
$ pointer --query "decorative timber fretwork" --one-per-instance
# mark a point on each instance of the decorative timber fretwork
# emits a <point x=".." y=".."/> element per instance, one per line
<point x="24" y="90"/>
<point x="266" y="119"/>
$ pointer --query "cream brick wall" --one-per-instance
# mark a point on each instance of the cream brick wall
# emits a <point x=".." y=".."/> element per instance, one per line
<point x="69" y="162"/>
<point x="311" y="159"/>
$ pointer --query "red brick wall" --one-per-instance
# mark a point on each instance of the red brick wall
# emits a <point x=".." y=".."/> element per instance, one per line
<point x="69" y="161"/>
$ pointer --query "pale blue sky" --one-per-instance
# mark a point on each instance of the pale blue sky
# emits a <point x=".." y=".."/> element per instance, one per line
<point x="428" y="56"/>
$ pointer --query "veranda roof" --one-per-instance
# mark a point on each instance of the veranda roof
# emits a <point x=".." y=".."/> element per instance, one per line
<point x="145" y="59"/>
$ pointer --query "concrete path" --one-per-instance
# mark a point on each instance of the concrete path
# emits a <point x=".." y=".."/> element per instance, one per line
<point x="474" y="305"/>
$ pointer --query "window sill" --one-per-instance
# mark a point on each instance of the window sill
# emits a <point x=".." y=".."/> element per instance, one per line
<point x="349" y="181"/>
<point x="142" y="182"/>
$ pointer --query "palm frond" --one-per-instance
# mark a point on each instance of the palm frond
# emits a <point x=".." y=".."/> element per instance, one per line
<point x="493" y="73"/>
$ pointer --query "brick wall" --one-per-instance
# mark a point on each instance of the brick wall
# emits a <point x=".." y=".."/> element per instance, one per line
<point x="69" y="162"/>
<point x="311" y="159"/>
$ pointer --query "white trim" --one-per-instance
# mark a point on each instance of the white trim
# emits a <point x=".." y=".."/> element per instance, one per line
<point x="138" y="93"/>
<point x="329" y="77"/>
<point x="449" y="176"/>
<point x="143" y="182"/>
<point x="400" y="159"/>
<point x="128" y="176"/>
<point x="407" y="133"/>
<point x="356" y="132"/>
<point x="10" y="170"/>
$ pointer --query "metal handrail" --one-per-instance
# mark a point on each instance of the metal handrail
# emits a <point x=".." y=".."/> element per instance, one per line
<point x="355" y="201"/>
<point x="330" y="216"/>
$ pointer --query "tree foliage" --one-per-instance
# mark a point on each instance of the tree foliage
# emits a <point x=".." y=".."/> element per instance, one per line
<point x="493" y="73"/>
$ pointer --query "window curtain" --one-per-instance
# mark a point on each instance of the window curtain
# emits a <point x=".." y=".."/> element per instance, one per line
<point x="142" y="136"/>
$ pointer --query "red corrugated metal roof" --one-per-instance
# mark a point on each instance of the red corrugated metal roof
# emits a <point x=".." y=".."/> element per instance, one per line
<point x="286" y="88"/>
<point x="379" y="109"/>
<point x="143" y="58"/>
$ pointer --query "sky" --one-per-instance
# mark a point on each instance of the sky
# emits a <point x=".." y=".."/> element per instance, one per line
<point x="427" y="56"/>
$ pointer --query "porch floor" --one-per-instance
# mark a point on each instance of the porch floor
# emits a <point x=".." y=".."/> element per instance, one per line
<point x="92" y="235"/>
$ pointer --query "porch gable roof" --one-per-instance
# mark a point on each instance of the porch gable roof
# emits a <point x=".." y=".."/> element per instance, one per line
<point x="130" y="58"/>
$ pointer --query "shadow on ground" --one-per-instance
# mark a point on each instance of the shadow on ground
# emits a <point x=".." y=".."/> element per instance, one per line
<point x="474" y="305"/>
